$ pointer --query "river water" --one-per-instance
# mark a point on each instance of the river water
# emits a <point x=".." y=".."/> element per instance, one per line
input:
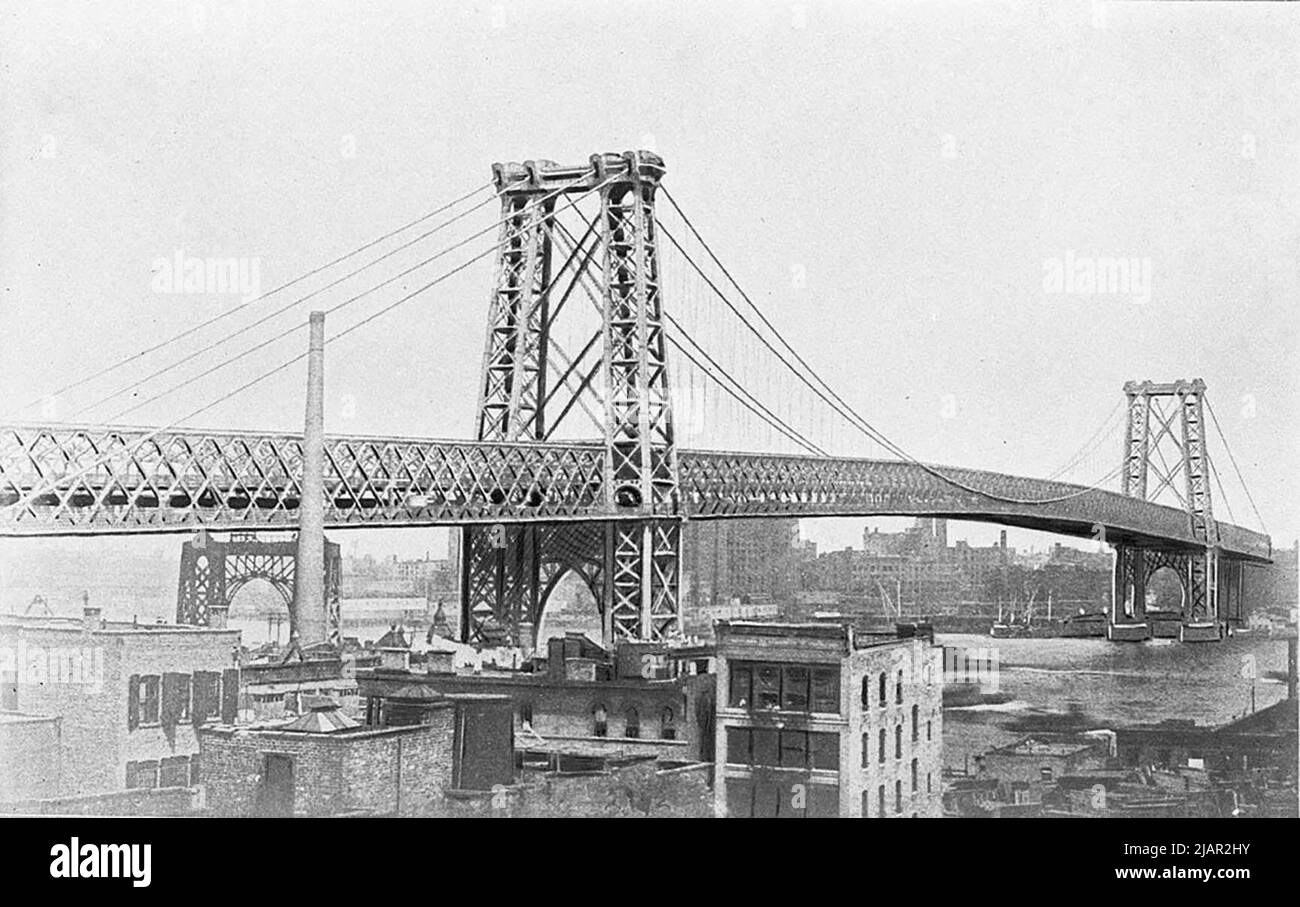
<point x="1106" y="684"/>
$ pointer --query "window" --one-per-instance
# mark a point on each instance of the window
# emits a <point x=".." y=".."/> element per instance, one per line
<point x="898" y="796"/>
<point x="738" y="753"/>
<point x="600" y="721"/>
<point x="916" y="723"/>
<point x="794" y="688"/>
<point x="915" y="776"/>
<point x="742" y="684"/>
<point x="898" y="689"/>
<point x="880" y="802"/>
<point x="767" y="687"/>
<point x="929" y="786"/>
<point x="881" y="746"/>
<point x="667" y="731"/>
<point x="866" y="750"/>
<point x="765" y="747"/>
<point x="794" y="749"/>
<point x="898" y="741"/>
<point x="206" y="693"/>
<point x="802" y="750"/>
<point x="866" y="695"/>
<point x="789" y="687"/>
<point x="526" y="714"/>
<point x="148" y="701"/>
<point x="884" y="700"/>
<point x="632" y="728"/>
<point x="175" y="699"/>
<point x="929" y="730"/>
<point x="826" y="689"/>
<point x="824" y="752"/>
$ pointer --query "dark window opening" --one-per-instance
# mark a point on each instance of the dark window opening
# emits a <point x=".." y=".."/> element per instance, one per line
<point x="600" y="721"/>
<point x="667" y="731"/>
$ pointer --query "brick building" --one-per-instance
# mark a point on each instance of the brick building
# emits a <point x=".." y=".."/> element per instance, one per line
<point x="635" y="701"/>
<point x="323" y="764"/>
<point x="129" y="698"/>
<point x="817" y="719"/>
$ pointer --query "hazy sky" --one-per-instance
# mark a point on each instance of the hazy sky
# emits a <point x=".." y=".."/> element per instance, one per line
<point x="919" y="164"/>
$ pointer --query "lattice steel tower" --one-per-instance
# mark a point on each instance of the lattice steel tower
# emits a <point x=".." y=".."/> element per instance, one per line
<point x="1164" y="448"/>
<point x="630" y="564"/>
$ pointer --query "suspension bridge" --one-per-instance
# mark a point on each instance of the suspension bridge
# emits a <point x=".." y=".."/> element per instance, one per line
<point x="587" y="454"/>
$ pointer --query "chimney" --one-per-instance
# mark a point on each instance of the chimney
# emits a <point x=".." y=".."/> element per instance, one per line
<point x="91" y="615"/>
<point x="309" y="615"/>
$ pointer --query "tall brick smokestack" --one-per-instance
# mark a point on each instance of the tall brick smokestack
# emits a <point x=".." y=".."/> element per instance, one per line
<point x="310" y="620"/>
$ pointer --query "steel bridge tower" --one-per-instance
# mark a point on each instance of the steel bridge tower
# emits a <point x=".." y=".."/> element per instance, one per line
<point x="1169" y="418"/>
<point x="630" y="565"/>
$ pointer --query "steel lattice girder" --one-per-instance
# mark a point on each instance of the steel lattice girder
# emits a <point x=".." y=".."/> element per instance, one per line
<point x="104" y="480"/>
<point x="739" y="484"/>
<point x="212" y="572"/>
<point x="185" y="479"/>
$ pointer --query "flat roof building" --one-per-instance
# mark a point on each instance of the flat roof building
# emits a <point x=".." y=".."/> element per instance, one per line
<point x="819" y="719"/>
<point x="129" y="697"/>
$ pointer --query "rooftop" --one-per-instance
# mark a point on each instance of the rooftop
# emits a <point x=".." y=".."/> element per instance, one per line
<point x="1035" y="746"/>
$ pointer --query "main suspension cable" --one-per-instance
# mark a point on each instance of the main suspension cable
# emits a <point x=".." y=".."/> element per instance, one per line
<point x="221" y="315"/>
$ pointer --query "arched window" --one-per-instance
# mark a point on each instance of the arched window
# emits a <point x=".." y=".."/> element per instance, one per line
<point x="929" y="730"/>
<point x="866" y="692"/>
<point x="600" y="720"/>
<point x="915" y="784"/>
<point x="880" y="802"/>
<point x="884" y="698"/>
<point x="916" y="723"/>
<point x="633" y="726"/>
<point x="898" y="689"/>
<point x="667" y="730"/>
<point x="898" y="796"/>
<point x="898" y="741"/>
<point x="881" y="746"/>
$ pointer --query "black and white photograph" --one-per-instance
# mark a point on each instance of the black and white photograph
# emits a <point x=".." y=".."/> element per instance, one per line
<point x="649" y="409"/>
